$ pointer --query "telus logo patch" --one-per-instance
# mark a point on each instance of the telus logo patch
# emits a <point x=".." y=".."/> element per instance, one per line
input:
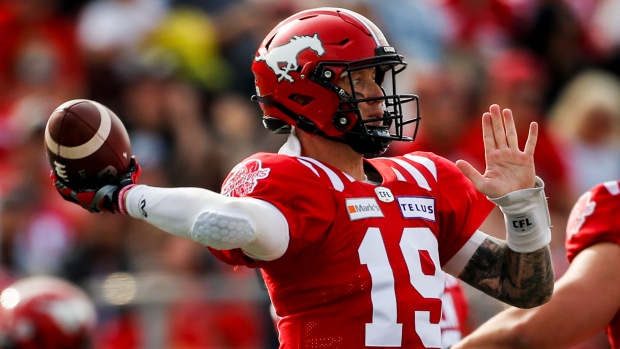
<point x="417" y="207"/>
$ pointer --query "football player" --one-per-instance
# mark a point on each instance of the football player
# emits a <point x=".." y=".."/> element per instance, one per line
<point x="586" y="300"/>
<point x="352" y="245"/>
<point x="44" y="312"/>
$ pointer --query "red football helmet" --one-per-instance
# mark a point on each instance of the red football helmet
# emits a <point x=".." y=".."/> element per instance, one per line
<point x="305" y="56"/>
<point x="45" y="312"/>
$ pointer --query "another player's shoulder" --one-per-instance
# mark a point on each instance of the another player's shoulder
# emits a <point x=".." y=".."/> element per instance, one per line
<point x="593" y="218"/>
<point x="602" y="200"/>
<point x="606" y="189"/>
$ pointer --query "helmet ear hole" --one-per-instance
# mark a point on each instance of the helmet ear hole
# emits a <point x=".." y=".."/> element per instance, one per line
<point x="302" y="100"/>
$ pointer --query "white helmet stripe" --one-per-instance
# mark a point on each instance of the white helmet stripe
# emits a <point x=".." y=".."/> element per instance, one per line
<point x="365" y="21"/>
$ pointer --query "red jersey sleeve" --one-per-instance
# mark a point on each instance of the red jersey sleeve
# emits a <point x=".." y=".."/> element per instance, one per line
<point x="593" y="219"/>
<point x="462" y="208"/>
<point x="303" y="197"/>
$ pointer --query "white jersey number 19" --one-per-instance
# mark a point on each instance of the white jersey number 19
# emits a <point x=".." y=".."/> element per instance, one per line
<point x="384" y="330"/>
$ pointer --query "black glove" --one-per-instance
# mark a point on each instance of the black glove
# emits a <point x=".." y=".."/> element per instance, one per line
<point x="104" y="198"/>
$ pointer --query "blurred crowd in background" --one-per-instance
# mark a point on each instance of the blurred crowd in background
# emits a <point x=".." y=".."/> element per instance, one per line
<point x="178" y="73"/>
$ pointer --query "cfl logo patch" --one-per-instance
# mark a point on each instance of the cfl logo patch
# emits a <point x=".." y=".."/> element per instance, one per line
<point x="523" y="223"/>
<point x="60" y="171"/>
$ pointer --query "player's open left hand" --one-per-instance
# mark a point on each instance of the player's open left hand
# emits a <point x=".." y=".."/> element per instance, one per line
<point x="507" y="168"/>
<point x="104" y="198"/>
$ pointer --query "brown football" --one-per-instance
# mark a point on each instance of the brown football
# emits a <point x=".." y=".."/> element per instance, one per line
<point x="87" y="145"/>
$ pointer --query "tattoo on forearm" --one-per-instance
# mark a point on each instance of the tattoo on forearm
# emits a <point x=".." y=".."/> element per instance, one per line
<point x="524" y="280"/>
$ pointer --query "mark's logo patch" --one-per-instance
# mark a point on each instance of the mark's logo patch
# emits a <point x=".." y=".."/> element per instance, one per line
<point x="363" y="208"/>
<point x="244" y="178"/>
<point x="417" y="207"/>
<point x="283" y="59"/>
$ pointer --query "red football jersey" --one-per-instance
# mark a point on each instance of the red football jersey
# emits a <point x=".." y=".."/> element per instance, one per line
<point x="593" y="220"/>
<point x="363" y="265"/>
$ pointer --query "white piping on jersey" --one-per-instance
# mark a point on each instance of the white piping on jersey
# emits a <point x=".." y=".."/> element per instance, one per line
<point x="336" y="181"/>
<point x="414" y="172"/>
<point x="349" y="177"/>
<point x="309" y="165"/>
<point x="612" y="187"/>
<point x="399" y="175"/>
<point x="426" y="162"/>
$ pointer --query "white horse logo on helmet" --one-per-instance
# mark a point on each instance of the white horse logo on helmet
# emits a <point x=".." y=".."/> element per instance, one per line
<point x="283" y="59"/>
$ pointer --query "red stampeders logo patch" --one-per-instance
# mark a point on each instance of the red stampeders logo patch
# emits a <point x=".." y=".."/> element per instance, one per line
<point x="244" y="178"/>
<point x="583" y="208"/>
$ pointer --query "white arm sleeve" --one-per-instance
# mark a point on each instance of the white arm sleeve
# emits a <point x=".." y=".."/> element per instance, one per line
<point x="214" y="220"/>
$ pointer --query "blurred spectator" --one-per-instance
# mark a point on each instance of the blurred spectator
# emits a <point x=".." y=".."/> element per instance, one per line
<point x="100" y="252"/>
<point x="482" y="27"/>
<point x="186" y="44"/>
<point x="111" y="33"/>
<point x="141" y="111"/>
<point x="237" y="131"/>
<point x="562" y="41"/>
<point x="420" y="30"/>
<point x="39" y="53"/>
<point x="40" y="67"/>
<point x="605" y="29"/>
<point x="36" y="233"/>
<point x="586" y="118"/>
<point x="241" y="26"/>
<point x="113" y="29"/>
<point x="195" y="151"/>
<point x="168" y="132"/>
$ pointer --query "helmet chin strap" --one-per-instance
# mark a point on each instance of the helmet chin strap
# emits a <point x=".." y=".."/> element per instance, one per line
<point x="369" y="146"/>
